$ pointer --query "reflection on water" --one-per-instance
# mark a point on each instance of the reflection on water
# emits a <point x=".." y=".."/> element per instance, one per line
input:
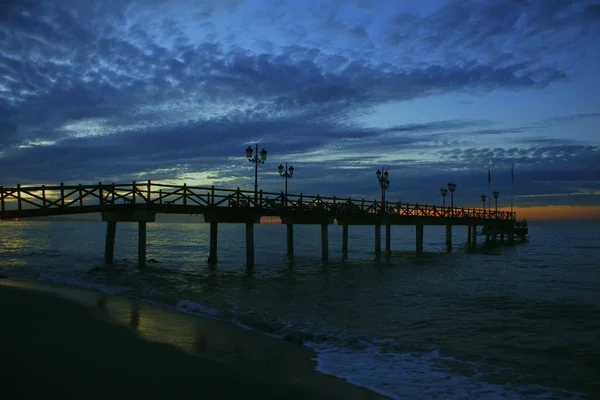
<point x="247" y="350"/>
<point x="200" y="343"/>
<point x="207" y="337"/>
<point x="134" y="320"/>
<point x="158" y="325"/>
<point x="101" y="301"/>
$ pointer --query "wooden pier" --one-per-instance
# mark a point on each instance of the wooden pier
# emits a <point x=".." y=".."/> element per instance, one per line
<point x="140" y="202"/>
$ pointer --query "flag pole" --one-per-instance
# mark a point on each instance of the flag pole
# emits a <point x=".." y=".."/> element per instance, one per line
<point x="489" y="188"/>
<point x="512" y="184"/>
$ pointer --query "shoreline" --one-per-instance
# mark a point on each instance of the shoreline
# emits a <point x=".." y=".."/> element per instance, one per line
<point x="48" y="324"/>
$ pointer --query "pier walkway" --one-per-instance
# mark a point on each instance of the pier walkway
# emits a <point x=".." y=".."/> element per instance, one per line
<point x="140" y="202"/>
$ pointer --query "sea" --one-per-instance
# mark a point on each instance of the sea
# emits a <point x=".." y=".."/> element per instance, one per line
<point x="502" y="321"/>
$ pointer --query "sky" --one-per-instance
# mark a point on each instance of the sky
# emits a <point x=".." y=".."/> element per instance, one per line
<point x="431" y="90"/>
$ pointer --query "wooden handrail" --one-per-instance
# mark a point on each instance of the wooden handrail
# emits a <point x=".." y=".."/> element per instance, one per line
<point x="62" y="196"/>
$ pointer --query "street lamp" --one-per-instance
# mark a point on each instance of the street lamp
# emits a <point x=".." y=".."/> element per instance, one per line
<point x="483" y="197"/>
<point x="444" y="192"/>
<point x="496" y="194"/>
<point x="451" y="189"/>
<point x="384" y="183"/>
<point x="257" y="159"/>
<point x="287" y="173"/>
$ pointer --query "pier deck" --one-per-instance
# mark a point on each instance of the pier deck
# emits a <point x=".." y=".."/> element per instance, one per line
<point x="140" y="202"/>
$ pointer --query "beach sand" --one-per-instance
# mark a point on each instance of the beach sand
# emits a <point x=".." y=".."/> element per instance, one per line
<point x="76" y="344"/>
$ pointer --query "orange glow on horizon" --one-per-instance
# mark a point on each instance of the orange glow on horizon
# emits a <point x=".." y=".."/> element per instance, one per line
<point x="270" y="220"/>
<point x="535" y="213"/>
<point x="553" y="213"/>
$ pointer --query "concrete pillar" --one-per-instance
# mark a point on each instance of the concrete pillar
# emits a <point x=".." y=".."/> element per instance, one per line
<point x="214" y="234"/>
<point x="419" y="237"/>
<point x="511" y="236"/>
<point x="141" y="244"/>
<point x="290" y="239"/>
<point x="474" y="236"/>
<point x="388" y="239"/>
<point x="324" y="242"/>
<point x="377" y="238"/>
<point x="502" y="237"/>
<point x="448" y="238"/>
<point x="469" y="236"/>
<point x="344" y="239"/>
<point x="109" y="244"/>
<point x="249" y="244"/>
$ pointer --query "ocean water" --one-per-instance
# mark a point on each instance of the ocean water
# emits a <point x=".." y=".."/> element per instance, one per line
<point x="501" y="322"/>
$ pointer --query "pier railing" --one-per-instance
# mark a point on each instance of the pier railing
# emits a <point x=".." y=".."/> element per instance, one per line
<point x="69" y="197"/>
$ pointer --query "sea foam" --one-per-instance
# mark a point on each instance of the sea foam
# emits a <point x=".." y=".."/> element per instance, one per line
<point x="416" y="377"/>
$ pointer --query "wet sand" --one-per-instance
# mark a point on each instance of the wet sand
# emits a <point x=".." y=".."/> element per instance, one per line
<point x="81" y="344"/>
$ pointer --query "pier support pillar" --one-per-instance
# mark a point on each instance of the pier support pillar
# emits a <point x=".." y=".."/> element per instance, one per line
<point x="377" y="239"/>
<point x="474" y="236"/>
<point x="469" y="236"/>
<point x="324" y="242"/>
<point x="419" y="237"/>
<point x="344" y="239"/>
<point x="249" y="244"/>
<point x="388" y="239"/>
<point x="212" y="252"/>
<point x="502" y="237"/>
<point x="109" y="245"/>
<point x="449" y="238"/>
<point x="290" y="239"/>
<point x="511" y="236"/>
<point x="142" y="244"/>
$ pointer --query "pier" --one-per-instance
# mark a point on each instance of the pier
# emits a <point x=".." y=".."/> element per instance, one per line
<point x="140" y="202"/>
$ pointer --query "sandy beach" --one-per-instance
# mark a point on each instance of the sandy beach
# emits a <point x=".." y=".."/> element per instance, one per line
<point x="81" y="344"/>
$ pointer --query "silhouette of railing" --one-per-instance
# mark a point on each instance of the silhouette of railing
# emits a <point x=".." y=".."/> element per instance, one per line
<point x="99" y="197"/>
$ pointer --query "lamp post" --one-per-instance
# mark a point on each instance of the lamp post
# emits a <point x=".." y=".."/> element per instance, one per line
<point x="483" y="197"/>
<point x="444" y="192"/>
<point x="452" y="189"/>
<point x="496" y="195"/>
<point x="384" y="183"/>
<point x="287" y="173"/>
<point x="257" y="159"/>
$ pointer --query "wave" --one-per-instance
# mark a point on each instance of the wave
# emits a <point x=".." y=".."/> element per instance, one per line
<point x="72" y="281"/>
<point x="197" y="309"/>
<point x="424" y="376"/>
<point x="383" y="366"/>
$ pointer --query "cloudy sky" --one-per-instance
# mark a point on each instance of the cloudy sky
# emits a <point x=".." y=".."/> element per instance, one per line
<point x="433" y="90"/>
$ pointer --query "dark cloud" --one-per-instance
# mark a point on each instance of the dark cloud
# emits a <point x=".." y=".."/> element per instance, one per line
<point x="498" y="30"/>
<point x="497" y="131"/>
<point x="568" y="118"/>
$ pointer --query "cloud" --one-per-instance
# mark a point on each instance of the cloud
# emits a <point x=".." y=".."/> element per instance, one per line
<point x="119" y="90"/>
<point x="498" y="31"/>
<point x="567" y="119"/>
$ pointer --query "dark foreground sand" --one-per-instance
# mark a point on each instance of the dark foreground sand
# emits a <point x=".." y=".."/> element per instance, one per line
<point x="72" y="344"/>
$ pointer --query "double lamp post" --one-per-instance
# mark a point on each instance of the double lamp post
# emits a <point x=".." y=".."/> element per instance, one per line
<point x="496" y="195"/>
<point x="256" y="159"/>
<point x="384" y="183"/>
<point x="451" y="187"/>
<point x="259" y="158"/>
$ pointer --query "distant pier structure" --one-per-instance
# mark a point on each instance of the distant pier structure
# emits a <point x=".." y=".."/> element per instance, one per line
<point x="140" y="202"/>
